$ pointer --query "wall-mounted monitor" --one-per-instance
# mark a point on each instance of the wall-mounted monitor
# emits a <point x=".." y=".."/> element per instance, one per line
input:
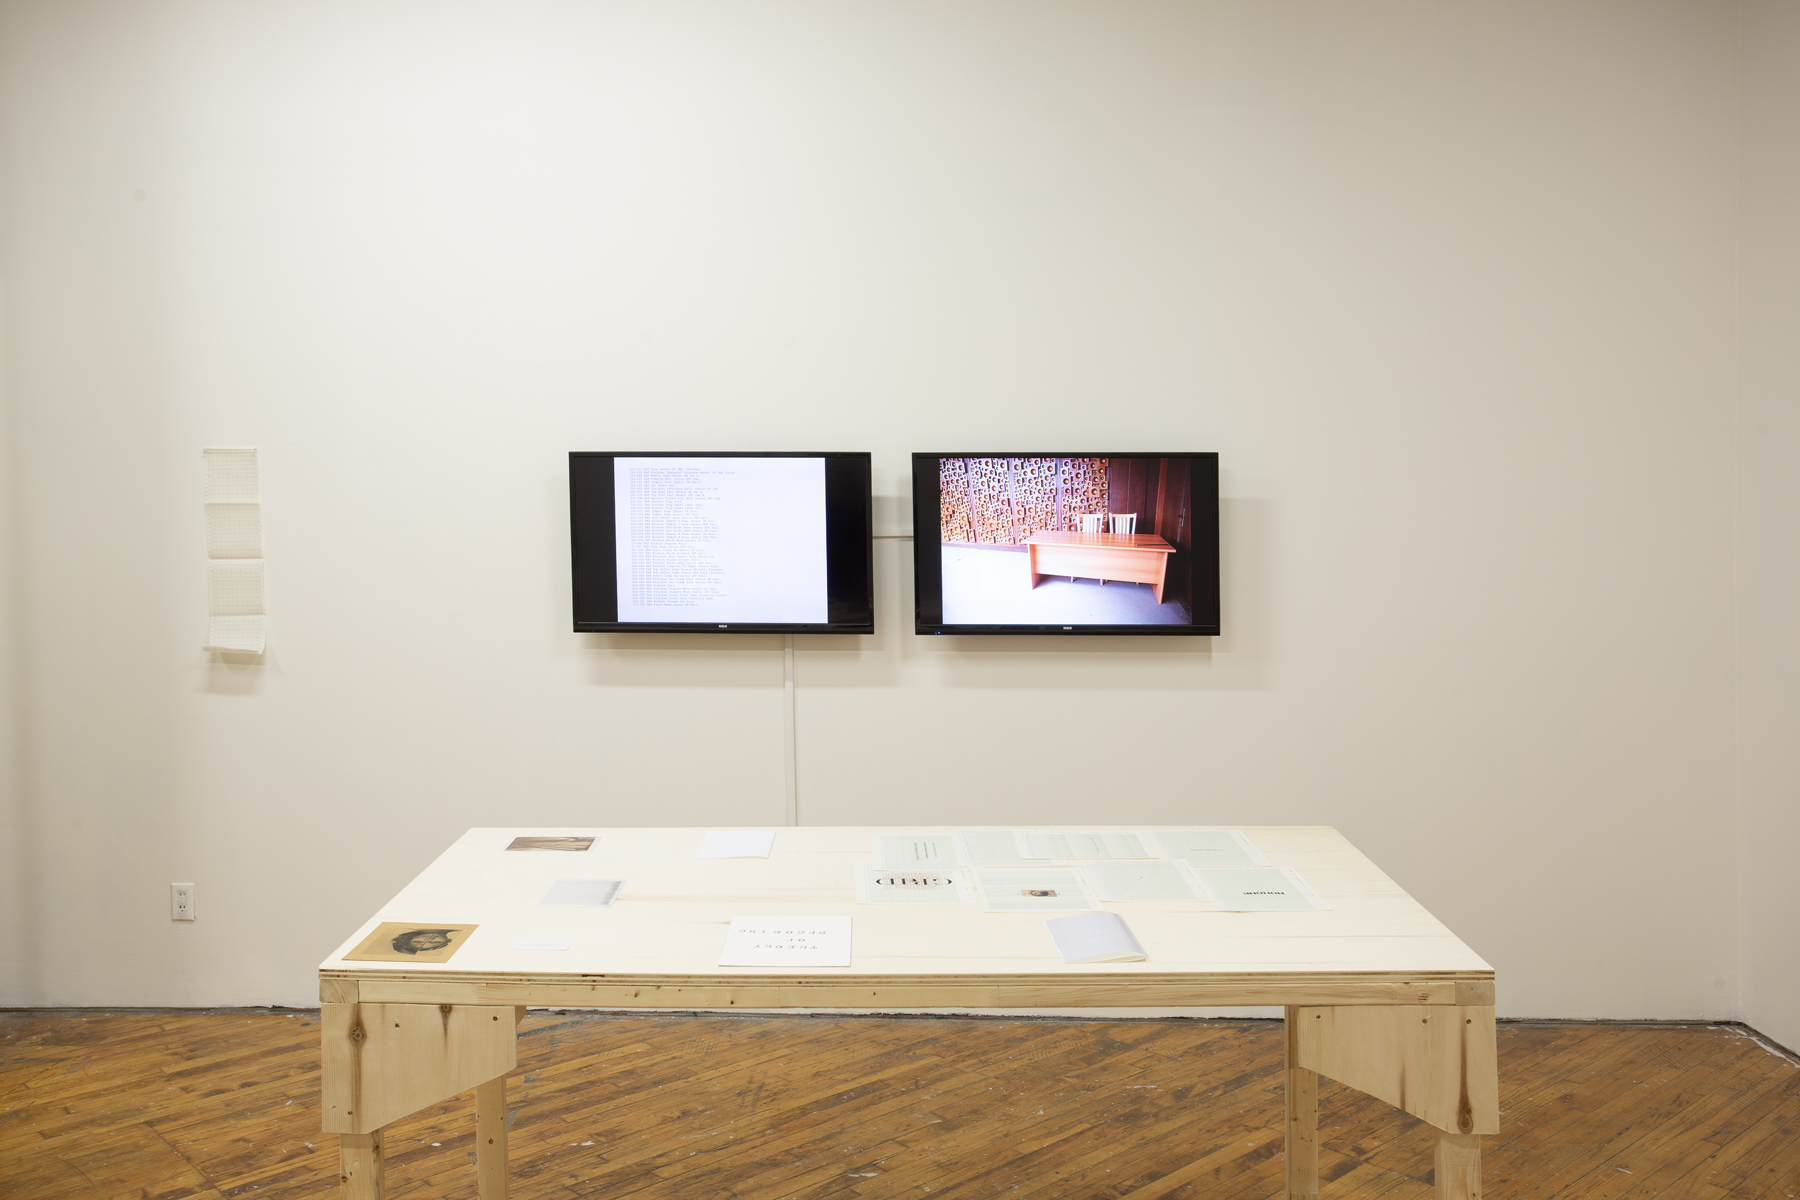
<point x="721" y="543"/>
<point x="1066" y="543"/>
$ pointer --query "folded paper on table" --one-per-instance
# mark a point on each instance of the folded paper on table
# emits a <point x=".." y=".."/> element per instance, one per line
<point x="737" y="843"/>
<point x="1094" y="937"/>
<point x="581" y="893"/>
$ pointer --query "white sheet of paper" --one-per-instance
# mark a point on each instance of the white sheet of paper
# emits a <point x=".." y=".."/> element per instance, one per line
<point x="727" y="540"/>
<point x="1032" y="889"/>
<point x="235" y="619"/>
<point x="1048" y="843"/>
<point x="231" y="475"/>
<point x="1133" y="881"/>
<point x="737" y="843"/>
<point x="1259" y="889"/>
<point x="787" y="942"/>
<point x="1209" y="847"/>
<point x="243" y="634"/>
<point x="891" y="885"/>
<point x="581" y="893"/>
<point x="234" y="531"/>
<point x="916" y="850"/>
<point x="539" y="944"/>
<point x="988" y="847"/>
<point x="1094" y="937"/>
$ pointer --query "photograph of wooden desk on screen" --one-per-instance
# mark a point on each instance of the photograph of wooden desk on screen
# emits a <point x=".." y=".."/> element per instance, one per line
<point x="1064" y="541"/>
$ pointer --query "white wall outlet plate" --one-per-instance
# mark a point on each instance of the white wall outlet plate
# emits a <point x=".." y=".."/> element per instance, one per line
<point x="181" y="902"/>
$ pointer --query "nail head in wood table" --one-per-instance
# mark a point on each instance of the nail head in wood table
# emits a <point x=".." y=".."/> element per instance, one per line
<point x="1378" y="994"/>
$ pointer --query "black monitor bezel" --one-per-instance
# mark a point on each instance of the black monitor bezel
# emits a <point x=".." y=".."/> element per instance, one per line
<point x="928" y="544"/>
<point x="849" y="534"/>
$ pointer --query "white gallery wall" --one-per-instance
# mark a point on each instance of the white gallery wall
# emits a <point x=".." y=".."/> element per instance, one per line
<point x="1454" y="291"/>
<point x="1769" y="528"/>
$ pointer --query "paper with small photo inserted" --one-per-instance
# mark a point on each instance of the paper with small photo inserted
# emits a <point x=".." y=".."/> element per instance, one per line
<point x="1033" y="889"/>
<point x="737" y="843"/>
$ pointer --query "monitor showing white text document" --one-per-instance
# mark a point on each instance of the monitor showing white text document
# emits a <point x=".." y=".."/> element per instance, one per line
<point x="738" y="540"/>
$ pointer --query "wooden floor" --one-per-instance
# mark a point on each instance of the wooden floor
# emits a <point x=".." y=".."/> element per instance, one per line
<point x="160" y="1105"/>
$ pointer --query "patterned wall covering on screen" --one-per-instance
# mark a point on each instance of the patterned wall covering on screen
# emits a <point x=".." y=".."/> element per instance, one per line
<point x="953" y="500"/>
<point x="1083" y="488"/>
<point x="1003" y="501"/>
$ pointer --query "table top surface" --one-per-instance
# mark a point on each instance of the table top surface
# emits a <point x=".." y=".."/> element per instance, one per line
<point x="1154" y="543"/>
<point x="671" y="914"/>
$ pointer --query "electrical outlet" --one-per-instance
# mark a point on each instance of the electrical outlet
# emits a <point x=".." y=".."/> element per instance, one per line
<point x="181" y="902"/>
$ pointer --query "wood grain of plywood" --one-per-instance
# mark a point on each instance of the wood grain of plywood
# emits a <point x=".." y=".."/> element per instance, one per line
<point x="384" y="1061"/>
<point x="1436" y="1063"/>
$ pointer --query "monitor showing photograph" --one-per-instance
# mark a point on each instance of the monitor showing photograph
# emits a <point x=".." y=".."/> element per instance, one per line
<point x="1066" y="543"/>
<point x="721" y="543"/>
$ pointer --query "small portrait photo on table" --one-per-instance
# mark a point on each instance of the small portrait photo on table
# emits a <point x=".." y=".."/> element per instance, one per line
<point x="401" y="941"/>
<point x="550" y="843"/>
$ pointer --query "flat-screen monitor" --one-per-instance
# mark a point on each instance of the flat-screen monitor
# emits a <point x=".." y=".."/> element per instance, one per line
<point x="1066" y="543"/>
<point x="679" y="542"/>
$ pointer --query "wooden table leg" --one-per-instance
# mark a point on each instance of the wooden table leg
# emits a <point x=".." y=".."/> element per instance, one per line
<point x="1458" y="1166"/>
<point x="490" y="1138"/>
<point x="1302" y="1128"/>
<point x="359" y="1165"/>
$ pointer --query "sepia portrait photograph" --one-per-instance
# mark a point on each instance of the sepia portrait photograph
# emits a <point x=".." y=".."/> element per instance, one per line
<point x="550" y="843"/>
<point x="399" y="941"/>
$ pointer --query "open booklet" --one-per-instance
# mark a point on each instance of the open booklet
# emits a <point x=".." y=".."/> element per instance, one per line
<point x="1094" y="937"/>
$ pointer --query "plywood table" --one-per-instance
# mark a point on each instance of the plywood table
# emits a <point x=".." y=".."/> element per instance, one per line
<point x="1378" y="994"/>
<point x="1124" y="557"/>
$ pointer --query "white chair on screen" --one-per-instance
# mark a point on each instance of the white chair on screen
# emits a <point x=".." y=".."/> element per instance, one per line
<point x="1091" y="522"/>
<point x="1124" y="523"/>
